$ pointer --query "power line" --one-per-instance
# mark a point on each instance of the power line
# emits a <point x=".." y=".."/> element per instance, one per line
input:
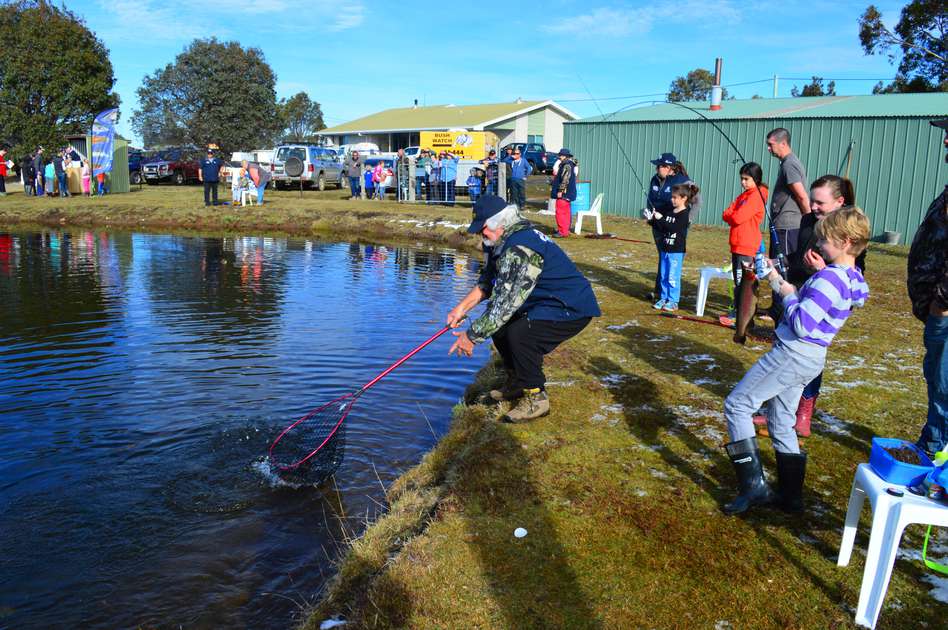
<point x="728" y="85"/>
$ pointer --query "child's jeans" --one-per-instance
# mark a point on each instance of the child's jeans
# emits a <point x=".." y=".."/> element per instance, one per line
<point x="670" y="274"/>
<point x="380" y="192"/>
<point x="779" y="377"/>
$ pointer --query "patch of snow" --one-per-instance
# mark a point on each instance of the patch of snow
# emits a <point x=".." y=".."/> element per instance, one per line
<point x="658" y="474"/>
<point x="658" y="339"/>
<point x="704" y="381"/>
<point x="566" y="383"/>
<point x="832" y="424"/>
<point x="617" y="408"/>
<point x="850" y="363"/>
<point x="641" y="493"/>
<point x="598" y="417"/>
<point x="613" y="380"/>
<point x="939" y="587"/>
<point x="629" y="323"/>
<point x="722" y="624"/>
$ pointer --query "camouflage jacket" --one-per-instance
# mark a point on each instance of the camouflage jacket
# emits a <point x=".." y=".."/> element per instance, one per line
<point x="508" y="281"/>
<point x="928" y="260"/>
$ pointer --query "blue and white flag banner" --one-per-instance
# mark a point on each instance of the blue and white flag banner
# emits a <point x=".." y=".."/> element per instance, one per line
<point x="103" y="141"/>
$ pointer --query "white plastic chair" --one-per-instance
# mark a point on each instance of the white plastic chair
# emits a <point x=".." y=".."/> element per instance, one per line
<point x="248" y="196"/>
<point x="890" y="515"/>
<point x="708" y="274"/>
<point x="595" y="210"/>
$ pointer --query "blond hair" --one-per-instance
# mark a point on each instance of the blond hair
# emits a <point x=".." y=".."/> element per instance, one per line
<point x="850" y="224"/>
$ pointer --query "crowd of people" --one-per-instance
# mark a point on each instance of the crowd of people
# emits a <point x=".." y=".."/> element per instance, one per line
<point x="538" y="299"/>
<point x="61" y="174"/>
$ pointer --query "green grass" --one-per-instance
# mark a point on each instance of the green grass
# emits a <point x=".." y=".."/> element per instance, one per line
<point x="620" y="486"/>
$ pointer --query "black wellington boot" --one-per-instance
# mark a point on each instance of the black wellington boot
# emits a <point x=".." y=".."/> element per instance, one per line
<point x="745" y="456"/>
<point x="791" y="470"/>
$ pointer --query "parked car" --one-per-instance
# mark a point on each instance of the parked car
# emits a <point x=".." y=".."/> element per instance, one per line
<point x="364" y="149"/>
<point x="136" y="159"/>
<point x="321" y="166"/>
<point x="178" y="165"/>
<point x="536" y="154"/>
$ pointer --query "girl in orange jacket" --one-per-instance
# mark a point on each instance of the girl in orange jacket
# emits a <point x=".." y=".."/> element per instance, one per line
<point x="745" y="215"/>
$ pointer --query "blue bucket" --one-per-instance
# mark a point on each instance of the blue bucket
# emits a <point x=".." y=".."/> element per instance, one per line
<point x="893" y="470"/>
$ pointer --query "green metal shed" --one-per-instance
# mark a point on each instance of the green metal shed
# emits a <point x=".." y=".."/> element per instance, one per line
<point x="892" y="154"/>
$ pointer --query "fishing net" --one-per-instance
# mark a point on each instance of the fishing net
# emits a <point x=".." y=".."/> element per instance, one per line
<point x="311" y="449"/>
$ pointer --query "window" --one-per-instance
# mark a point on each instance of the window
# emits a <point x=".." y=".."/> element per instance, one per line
<point x="537" y="139"/>
<point x="285" y="153"/>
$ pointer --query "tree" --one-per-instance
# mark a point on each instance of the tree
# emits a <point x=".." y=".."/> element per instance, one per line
<point x="815" y="88"/>
<point x="49" y="89"/>
<point x="214" y="92"/>
<point x="694" y="86"/>
<point x="300" y="117"/>
<point x="922" y="37"/>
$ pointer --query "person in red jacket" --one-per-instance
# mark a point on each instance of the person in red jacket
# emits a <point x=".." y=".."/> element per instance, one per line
<point x="744" y="215"/>
<point x="3" y="172"/>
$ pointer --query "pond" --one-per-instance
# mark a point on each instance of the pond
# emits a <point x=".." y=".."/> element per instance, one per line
<point x="143" y="378"/>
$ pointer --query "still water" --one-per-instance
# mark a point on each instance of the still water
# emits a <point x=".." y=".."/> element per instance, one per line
<point x="142" y="378"/>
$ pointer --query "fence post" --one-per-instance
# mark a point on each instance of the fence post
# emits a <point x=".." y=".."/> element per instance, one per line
<point x="502" y="180"/>
<point x="411" y="179"/>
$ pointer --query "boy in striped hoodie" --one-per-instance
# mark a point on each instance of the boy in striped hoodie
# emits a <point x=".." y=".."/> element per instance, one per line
<point x="812" y="317"/>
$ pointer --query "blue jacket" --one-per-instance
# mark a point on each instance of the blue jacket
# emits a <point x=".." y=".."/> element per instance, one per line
<point x="562" y="293"/>
<point x="449" y="169"/>
<point x="660" y="194"/>
<point x="520" y="169"/>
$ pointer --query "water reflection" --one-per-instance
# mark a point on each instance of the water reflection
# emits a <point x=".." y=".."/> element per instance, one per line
<point x="142" y="379"/>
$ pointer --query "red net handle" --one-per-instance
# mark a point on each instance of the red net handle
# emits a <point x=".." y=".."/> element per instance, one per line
<point x="404" y="358"/>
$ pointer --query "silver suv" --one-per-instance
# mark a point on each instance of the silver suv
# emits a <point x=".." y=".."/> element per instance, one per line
<point x="321" y="166"/>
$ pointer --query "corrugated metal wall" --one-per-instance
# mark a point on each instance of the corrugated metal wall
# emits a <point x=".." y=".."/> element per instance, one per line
<point x="897" y="163"/>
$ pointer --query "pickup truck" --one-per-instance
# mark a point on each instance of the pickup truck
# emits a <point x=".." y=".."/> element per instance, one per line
<point x="136" y="158"/>
<point x="175" y="165"/>
<point x="536" y="154"/>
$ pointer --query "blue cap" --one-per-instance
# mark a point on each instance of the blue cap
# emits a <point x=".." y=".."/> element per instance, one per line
<point x="485" y="207"/>
<point x="565" y="151"/>
<point x="666" y="159"/>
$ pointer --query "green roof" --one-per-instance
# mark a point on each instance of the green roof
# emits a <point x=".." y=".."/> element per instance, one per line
<point x="874" y="106"/>
<point x="433" y="117"/>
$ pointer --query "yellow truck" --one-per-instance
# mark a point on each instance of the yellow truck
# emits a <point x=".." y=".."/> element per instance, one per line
<point x="467" y="145"/>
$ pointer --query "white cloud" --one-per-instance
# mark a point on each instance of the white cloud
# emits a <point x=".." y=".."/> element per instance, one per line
<point x="140" y="20"/>
<point x="603" y="23"/>
<point x="624" y="21"/>
<point x="348" y="16"/>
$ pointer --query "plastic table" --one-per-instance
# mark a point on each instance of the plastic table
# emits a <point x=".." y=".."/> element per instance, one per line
<point x="890" y="515"/>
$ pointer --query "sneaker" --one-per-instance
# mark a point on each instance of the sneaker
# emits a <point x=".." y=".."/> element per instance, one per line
<point x="670" y="307"/>
<point x="727" y="320"/>
<point x="534" y="404"/>
<point x="659" y="305"/>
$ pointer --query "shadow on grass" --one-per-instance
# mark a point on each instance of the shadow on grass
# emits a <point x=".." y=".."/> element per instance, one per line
<point x="531" y="579"/>
<point x="650" y="419"/>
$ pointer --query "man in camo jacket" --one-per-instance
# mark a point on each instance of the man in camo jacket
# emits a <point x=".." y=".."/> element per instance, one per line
<point x="928" y="290"/>
<point x="538" y="300"/>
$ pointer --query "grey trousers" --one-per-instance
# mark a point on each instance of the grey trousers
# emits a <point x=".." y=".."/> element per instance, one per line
<point x="779" y="377"/>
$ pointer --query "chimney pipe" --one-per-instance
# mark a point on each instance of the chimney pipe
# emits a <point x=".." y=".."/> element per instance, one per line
<point x="415" y="106"/>
<point x="716" y="92"/>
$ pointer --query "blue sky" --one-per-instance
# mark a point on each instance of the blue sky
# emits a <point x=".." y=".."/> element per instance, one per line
<point x="360" y="56"/>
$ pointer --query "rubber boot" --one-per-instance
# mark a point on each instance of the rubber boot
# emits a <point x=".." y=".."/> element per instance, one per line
<point x="534" y="404"/>
<point x="753" y="488"/>
<point x="804" y="414"/>
<point x="791" y="470"/>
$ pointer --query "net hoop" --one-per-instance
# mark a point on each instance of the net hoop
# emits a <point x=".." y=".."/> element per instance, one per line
<point x="351" y="397"/>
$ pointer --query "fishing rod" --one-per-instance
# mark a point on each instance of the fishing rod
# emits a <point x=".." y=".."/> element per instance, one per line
<point x="775" y="239"/>
<point x="625" y="155"/>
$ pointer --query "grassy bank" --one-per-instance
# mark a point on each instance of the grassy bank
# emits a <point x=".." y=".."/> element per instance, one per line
<point x="619" y="488"/>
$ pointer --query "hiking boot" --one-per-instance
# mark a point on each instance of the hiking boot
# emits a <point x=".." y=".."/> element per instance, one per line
<point x="506" y="392"/>
<point x="534" y="404"/>
<point x="804" y="414"/>
<point x="752" y="487"/>
<point x="791" y="470"/>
